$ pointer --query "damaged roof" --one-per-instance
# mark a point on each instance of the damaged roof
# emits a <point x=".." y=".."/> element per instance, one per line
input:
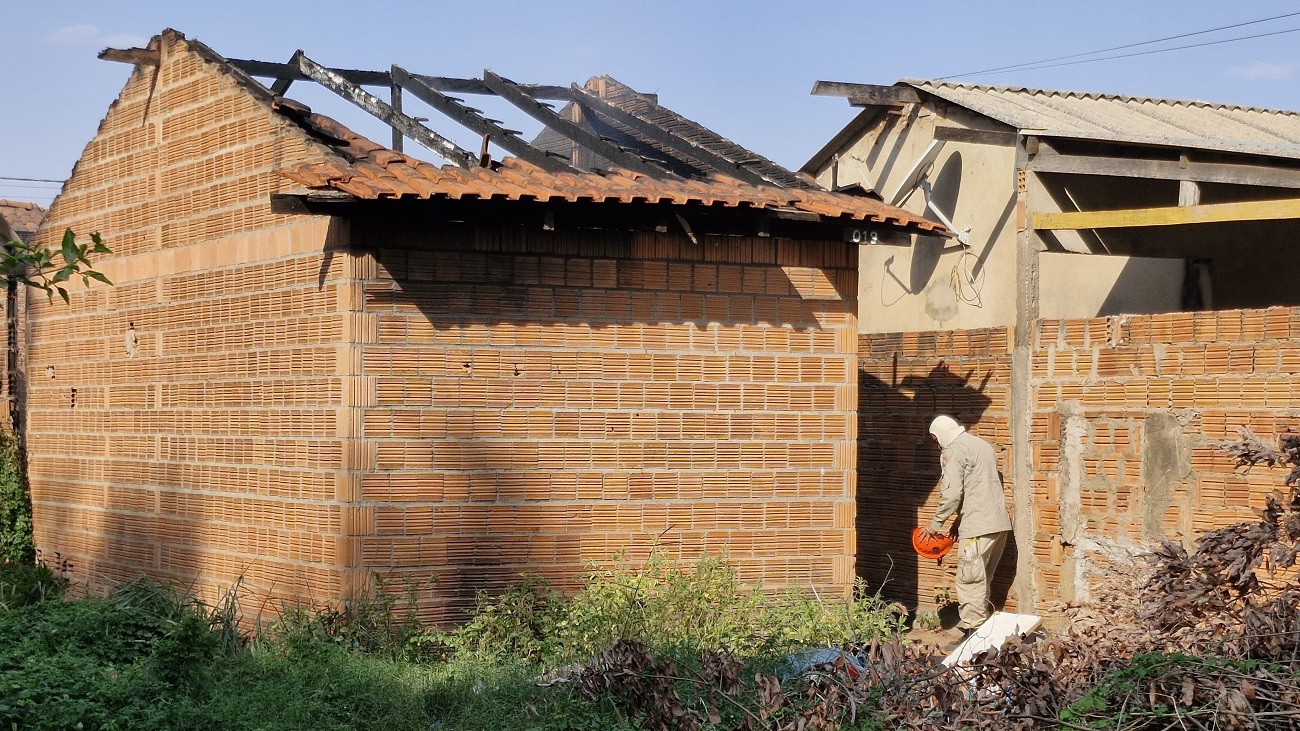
<point x="599" y="118"/>
<point x="623" y="148"/>
<point x="371" y="171"/>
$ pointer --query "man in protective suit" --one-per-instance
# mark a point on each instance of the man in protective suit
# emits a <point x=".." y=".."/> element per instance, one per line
<point x="972" y="489"/>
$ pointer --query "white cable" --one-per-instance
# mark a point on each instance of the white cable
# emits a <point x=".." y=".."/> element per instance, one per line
<point x="964" y="278"/>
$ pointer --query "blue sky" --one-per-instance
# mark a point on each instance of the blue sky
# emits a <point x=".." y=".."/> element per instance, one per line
<point x="743" y="69"/>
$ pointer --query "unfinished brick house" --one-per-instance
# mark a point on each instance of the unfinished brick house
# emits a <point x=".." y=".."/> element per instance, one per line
<point x="1074" y="325"/>
<point x="323" y="359"/>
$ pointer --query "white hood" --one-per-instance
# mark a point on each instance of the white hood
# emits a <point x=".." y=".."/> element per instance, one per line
<point x="945" y="429"/>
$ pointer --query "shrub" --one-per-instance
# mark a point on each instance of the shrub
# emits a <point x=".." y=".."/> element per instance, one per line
<point x="15" y="506"/>
<point x="520" y="623"/>
<point x="379" y="621"/>
<point x="669" y="606"/>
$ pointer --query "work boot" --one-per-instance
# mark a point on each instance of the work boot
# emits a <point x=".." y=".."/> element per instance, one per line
<point x="955" y="637"/>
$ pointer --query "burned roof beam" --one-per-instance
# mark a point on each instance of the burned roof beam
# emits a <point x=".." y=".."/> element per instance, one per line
<point x="867" y="94"/>
<point x="436" y="143"/>
<point x="446" y="85"/>
<point x="475" y="86"/>
<point x="281" y="86"/>
<point x="507" y="139"/>
<point x="516" y="95"/>
<point x="290" y="72"/>
<point x="673" y="142"/>
<point x="137" y="56"/>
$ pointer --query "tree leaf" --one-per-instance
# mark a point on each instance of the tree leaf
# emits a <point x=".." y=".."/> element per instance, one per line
<point x="64" y="294"/>
<point x="70" y="252"/>
<point x="97" y="276"/>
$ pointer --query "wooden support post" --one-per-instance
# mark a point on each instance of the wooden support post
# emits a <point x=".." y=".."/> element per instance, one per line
<point x="1189" y="192"/>
<point x="395" y="100"/>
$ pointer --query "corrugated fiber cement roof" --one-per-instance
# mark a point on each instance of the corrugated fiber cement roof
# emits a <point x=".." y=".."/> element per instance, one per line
<point x="1131" y="119"/>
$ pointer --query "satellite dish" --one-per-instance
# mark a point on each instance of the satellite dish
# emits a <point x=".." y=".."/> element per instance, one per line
<point x="918" y="171"/>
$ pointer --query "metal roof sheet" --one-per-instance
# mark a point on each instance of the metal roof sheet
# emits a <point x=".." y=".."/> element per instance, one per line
<point x="1130" y="119"/>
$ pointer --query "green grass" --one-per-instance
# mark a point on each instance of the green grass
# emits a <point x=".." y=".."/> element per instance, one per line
<point x="126" y="663"/>
<point x="148" y="656"/>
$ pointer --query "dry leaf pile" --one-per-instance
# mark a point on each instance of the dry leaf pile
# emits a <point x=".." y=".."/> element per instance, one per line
<point x="1207" y="639"/>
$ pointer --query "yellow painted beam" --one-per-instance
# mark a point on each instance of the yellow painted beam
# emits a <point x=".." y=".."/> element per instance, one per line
<point x="1170" y="216"/>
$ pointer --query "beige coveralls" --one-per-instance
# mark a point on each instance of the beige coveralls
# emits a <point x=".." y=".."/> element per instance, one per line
<point x="973" y="488"/>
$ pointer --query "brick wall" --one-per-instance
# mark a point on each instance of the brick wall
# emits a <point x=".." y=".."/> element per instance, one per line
<point x="185" y="422"/>
<point x="255" y="399"/>
<point x="604" y="390"/>
<point x="1126" y="415"/>
<point x="1127" y="412"/>
<point x="905" y="380"/>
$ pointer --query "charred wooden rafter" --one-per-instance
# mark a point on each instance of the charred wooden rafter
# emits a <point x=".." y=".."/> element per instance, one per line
<point x="137" y="56"/>
<point x="507" y="139"/>
<point x="668" y="139"/>
<point x="516" y="95"/>
<point x="409" y="126"/>
<point x="444" y="84"/>
<point x="438" y="92"/>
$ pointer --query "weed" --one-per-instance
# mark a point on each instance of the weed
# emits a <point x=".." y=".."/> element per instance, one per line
<point x="672" y="607"/>
<point x="379" y="621"/>
<point x="24" y="583"/>
<point x="520" y="623"/>
<point x="928" y="621"/>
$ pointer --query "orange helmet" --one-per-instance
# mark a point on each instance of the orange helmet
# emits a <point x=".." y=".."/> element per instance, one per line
<point x="935" y="548"/>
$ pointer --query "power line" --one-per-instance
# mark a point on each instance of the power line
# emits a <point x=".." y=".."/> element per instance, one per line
<point x="33" y="180"/>
<point x="1034" y="65"/>
<point x="1163" y="50"/>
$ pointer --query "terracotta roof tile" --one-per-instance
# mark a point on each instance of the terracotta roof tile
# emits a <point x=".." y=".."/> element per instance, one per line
<point x="22" y="216"/>
<point x="369" y="170"/>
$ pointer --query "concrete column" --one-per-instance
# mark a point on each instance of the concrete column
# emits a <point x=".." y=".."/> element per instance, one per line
<point x="1027" y="312"/>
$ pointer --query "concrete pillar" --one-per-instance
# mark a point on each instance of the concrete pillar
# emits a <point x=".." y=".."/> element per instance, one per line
<point x="1027" y="312"/>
